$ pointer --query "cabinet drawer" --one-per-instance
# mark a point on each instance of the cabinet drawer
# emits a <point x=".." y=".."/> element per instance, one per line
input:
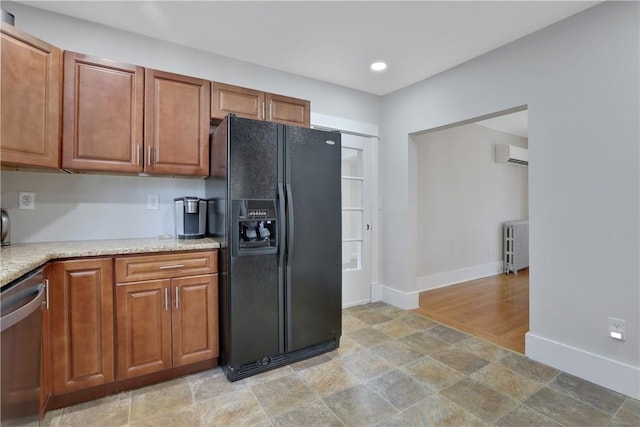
<point x="149" y="267"/>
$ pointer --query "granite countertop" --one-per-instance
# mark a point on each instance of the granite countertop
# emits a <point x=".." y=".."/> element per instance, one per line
<point x="20" y="258"/>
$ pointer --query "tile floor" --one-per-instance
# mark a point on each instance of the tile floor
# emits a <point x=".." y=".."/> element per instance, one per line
<point x="393" y="368"/>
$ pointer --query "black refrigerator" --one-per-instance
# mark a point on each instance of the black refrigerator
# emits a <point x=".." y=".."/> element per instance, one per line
<point x="274" y="196"/>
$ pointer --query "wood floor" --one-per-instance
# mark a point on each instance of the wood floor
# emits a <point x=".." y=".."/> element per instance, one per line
<point x="495" y="308"/>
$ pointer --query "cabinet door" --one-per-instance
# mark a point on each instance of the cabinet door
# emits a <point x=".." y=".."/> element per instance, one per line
<point x="103" y="114"/>
<point x="195" y="319"/>
<point x="241" y="101"/>
<point x="289" y="111"/>
<point x="176" y="124"/>
<point x="31" y="100"/>
<point x="144" y="327"/>
<point x="81" y="303"/>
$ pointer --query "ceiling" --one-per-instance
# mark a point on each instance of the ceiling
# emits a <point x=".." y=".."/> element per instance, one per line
<point x="332" y="41"/>
<point x="514" y="123"/>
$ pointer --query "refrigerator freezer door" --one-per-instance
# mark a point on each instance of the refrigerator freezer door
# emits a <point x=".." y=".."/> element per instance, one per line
<point x="313" y="296"/>
<point x="252" y="321"/>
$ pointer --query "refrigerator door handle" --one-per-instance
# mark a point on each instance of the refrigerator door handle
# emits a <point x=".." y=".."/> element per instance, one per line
<point x="281" y="204"/>
<point x="289" y="308"/>
<point x="290" y="223"/>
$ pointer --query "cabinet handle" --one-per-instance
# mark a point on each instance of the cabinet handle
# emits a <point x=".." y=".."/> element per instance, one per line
<point x="166" y="299"/>
<point x="270" y="111"/>
<point x="46" y="297"/>
<point x="167" y="267"/>
<point x="176" y="297"/>
<point x="137" y="154"/>
<point x="149" y="156"/>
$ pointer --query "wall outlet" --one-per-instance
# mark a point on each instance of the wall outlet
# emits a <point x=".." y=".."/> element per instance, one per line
<point x="617" y="329"/>
<point x="27" y="200"/>
<point x="153" y="202"/>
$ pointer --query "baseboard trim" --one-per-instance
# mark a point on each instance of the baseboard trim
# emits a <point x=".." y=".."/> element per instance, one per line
<point x="355" y="303"/>
<point x="600" y="370"/>
<point x="447" y="278"/>
<point x="403" y="300"/>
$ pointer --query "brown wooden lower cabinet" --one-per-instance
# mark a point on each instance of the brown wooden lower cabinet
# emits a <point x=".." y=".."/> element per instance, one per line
<point x="167" y="322"/>
<point x="81" y="315"/>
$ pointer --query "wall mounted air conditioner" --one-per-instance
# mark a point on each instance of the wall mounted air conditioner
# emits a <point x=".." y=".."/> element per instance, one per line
<point x="512" y="154"/>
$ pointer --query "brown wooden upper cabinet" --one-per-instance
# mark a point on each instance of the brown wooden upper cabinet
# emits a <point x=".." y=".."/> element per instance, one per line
<point x="176" y="124"/>
<point x="254" y="104"/>
<point x="124" y="118"/>
<point x="31" y="100"/>
<point x="103" y="114"/>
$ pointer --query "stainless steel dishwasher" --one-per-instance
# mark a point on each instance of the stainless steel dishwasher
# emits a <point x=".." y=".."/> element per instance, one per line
<point x="20" y="353"/>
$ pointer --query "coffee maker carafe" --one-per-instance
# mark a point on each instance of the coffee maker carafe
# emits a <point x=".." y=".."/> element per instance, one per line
<point x="190" y="214"/>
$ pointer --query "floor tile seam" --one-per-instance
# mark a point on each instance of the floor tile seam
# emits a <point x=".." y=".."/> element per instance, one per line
<point x="353" y="374"/>
<point x="437" y="362"/>
<point x="320" y="396"/>
<point x="515" y="403"/>
<point x="264" y="411"/>
<point x="585" y="402"/>
<point x="55" y="418"/>
<point x="465" y="376"/>
<point x="165" y="410"/>
<point x="615" y="414"/>
<point x="580" y="400"/>
<point x="538" y="383"/>
<point x="298" y="406"/>
<point x="366" y="383"/>
<point x="546" y="416"/>
<point x="576" y="399"/>
<point x="192" y="406"/>
<point x="383" y="332"/>
<point x="455" y="369"/>
<point x="306" y="384"/>
<point x="335" y="414"/>
<point x="401" y="365"/>
<point x="332" y="411"/>
<point x="461" y="407"/>
<point x="130" y="408"/>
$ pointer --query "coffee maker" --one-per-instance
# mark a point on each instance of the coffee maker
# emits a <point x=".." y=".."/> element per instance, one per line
<point x="190" y="215"/>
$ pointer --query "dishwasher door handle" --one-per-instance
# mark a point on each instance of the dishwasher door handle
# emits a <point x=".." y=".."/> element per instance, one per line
<point x="23" y="312"/>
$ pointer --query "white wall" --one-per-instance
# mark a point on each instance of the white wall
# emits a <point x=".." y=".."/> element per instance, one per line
<point x="86" y="207"/>
<point x="117" y="204"/>
<point x="579" y="79"/>
<point x="464" y="196"/>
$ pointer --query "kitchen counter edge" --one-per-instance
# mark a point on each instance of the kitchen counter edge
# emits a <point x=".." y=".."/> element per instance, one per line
<point x="21" y="258"/>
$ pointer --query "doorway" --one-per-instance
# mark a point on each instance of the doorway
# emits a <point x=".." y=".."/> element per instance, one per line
<point x="464" y="196"/>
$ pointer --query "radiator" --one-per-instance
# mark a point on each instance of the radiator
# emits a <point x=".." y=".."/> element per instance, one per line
<point x="516" y="246"/>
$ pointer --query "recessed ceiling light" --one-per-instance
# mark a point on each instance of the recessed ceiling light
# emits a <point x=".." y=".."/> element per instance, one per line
<point x="378" y="66"/>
